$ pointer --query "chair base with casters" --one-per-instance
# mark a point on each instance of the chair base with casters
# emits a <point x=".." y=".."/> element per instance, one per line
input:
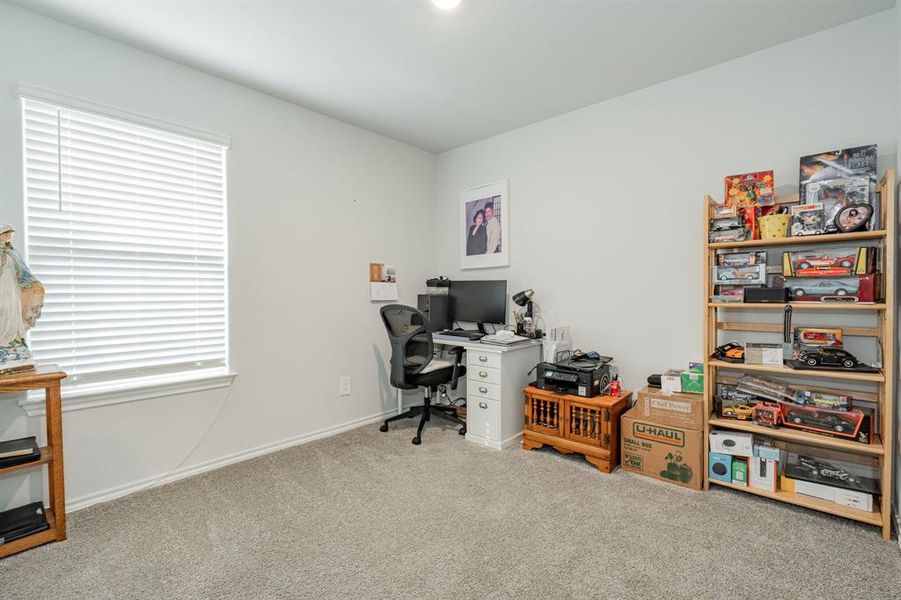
<point x="426" y="411"/>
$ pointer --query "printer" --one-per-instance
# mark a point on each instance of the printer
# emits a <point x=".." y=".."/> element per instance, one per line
<point x="579" y="376"/>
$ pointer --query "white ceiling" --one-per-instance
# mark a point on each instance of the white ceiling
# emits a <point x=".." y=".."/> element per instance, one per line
<point x="440" y="79"/>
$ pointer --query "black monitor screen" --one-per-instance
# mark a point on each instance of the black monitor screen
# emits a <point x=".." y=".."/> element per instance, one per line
<point x="478" y="301"/>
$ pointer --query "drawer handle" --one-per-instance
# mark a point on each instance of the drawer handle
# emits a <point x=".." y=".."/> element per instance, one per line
<point x="483" y="373"/>
<point x="483" y="358"/>
<point x="483" y="405"/>
<point x="483" y="389"/>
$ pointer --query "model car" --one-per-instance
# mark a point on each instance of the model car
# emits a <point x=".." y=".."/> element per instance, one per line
<point x="815" y="261"/>
<point x="831" y="401"/>
<point x="742" y="412"/>
<point x="733" y="273"/>
<point x="730" y="352"/>
<point x="821" y="288"/>
<point x="822" y="470"/>
<point x="828" y="357"/>
<point x="818" y="420"/>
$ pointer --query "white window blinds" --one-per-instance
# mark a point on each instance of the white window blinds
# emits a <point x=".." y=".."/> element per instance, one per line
<point x="126" y="229"/>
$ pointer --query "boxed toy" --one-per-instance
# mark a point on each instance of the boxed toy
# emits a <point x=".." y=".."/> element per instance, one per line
<point x="842" y="164"/>
<point x="685" y="410"/>
<point x="762" y="473"/>
<point x="826" y="337"/>
<point x="858" y="474"/>
<point x="835" y="194"/>
<point x="750" y="275"/>
<point x="666" y="452"/>
<point x="808" y="219"/>
<point x="720" y="467"/>
<point x="839" y="262"/>
<point x="763" y="354"/>
<point x="857" y="288"/>
<point x="750" y="189"/>
<point x="840" y="423"/>
<point x="741" y="259"/>
<point x="859" y="500"/>
<point x="732" y="403"/>
<point x="736" y="443"/>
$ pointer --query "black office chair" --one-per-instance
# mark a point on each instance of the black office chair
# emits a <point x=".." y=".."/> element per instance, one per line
<point x="412" y="365"/>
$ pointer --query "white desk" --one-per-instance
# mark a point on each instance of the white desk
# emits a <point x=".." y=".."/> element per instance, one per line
<point x="495" y="378"/>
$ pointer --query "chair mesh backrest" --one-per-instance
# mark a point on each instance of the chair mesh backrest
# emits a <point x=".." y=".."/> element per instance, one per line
<point x="408" y="356"/>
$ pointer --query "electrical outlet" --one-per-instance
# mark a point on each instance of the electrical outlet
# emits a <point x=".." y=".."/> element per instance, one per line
<point x="344" y="386"/>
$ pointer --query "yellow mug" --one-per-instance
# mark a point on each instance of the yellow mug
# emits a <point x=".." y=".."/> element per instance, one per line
<point x="774" y="226"/>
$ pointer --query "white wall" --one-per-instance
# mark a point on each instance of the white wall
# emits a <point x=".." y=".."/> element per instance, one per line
<point x="606" y="202"/>
<point x="311" y="202"/>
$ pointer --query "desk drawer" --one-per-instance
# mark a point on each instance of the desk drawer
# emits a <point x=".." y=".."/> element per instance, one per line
<point x="477" y="358"/>
<point x="477" y="373"/>
<point x="483" y="417"/>
<point x="483" y="389"/>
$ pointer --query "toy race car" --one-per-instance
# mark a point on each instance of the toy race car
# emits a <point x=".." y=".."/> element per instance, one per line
<point x="731" y="352"/>
<point x="823" y="470"/>
<point x="820" y="261"/>
<point x="822" y="400"/>
<point x="741" y="412"/>
<point x="822" y="288"/>
<point x="828" y="357"/>
<point x="818" y="420"/>
<point x="736" y="273"/>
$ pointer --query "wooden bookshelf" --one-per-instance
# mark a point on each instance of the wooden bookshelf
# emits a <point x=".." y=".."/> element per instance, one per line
<point x="49" y="379"/>
<point x="880" y="385"/>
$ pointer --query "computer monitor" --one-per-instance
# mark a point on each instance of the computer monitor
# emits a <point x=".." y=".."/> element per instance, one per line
<point x="478" y="301"/>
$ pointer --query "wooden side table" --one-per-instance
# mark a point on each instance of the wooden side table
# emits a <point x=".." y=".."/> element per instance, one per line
<point x="49" y="378"/>
<point x="572" y="424"/>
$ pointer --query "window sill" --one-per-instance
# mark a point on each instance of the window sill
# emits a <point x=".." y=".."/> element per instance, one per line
<point x="105" y="394"/>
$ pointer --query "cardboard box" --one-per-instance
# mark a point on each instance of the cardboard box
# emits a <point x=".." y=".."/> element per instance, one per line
<point x="767" y="452"/>
<point x="692" y="382"/>
<point x="739" y="471"/>
<point x="736" y="443"/>
<point x="683" y="410"/>
<point x="671" y="382"/>
<point x="666" y="452"/>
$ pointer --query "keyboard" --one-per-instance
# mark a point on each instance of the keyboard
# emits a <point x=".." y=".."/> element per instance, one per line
<point x="469" y="335"/>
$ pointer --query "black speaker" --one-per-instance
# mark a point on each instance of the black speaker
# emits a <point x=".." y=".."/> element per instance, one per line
<point x="434" y="307"/>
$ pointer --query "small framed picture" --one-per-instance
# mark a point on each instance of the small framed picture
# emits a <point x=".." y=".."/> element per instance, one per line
<point x="485" y="226"/>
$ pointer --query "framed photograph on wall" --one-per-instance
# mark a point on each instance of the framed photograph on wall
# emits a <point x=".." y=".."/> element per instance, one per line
<point x="485" y="226"/>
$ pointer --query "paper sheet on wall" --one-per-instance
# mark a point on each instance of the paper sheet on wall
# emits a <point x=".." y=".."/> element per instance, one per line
<point x="382" y="291"/>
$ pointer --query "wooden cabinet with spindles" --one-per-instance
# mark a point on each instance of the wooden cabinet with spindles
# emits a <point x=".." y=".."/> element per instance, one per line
<point x="572" y="424"/>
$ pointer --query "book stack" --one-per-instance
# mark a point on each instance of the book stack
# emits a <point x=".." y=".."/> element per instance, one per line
<point x="25" y="520"/>
<point x="19" y="451"/>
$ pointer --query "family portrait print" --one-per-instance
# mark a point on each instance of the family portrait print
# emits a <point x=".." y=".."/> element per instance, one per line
<point x="484" y="230"/>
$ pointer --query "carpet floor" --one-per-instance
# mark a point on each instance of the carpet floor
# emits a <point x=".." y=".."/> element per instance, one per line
<point x="368" y="515"/>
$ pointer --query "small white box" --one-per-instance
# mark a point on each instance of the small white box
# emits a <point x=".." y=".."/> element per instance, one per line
<point x="736" y="443"/>
<point x="762" y="473"/>
<point x="671" y="382"/>
<point x="859" y="500"/>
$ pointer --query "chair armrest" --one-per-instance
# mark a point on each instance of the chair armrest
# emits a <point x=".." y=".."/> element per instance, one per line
<point x="457" y="351"/>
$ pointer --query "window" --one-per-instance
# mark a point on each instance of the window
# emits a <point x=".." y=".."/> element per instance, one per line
<point x="126" y="229"/>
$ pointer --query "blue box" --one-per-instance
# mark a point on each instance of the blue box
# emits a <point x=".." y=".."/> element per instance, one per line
<point x="720" y="467"/>
<point x="767" y="452"/>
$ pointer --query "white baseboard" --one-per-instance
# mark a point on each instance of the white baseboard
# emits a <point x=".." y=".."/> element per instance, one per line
<point x="897" y="527"/>
<point x="75" y="504"/>
<point x="483" y="441"/>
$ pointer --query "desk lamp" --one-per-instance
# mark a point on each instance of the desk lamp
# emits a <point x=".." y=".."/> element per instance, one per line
<point x="524" y="298"/>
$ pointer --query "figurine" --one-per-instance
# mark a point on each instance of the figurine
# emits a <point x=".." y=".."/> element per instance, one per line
<point x="21" y="301"/>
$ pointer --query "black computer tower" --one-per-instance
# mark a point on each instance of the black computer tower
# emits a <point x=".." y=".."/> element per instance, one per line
<point x="434" y="307"/>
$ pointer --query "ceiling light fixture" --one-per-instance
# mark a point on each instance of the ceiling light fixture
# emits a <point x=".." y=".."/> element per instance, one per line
<point x="446" y="4"/>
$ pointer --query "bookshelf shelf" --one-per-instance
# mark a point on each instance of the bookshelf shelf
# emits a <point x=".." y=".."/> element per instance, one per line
<point x="49" y="379"/>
